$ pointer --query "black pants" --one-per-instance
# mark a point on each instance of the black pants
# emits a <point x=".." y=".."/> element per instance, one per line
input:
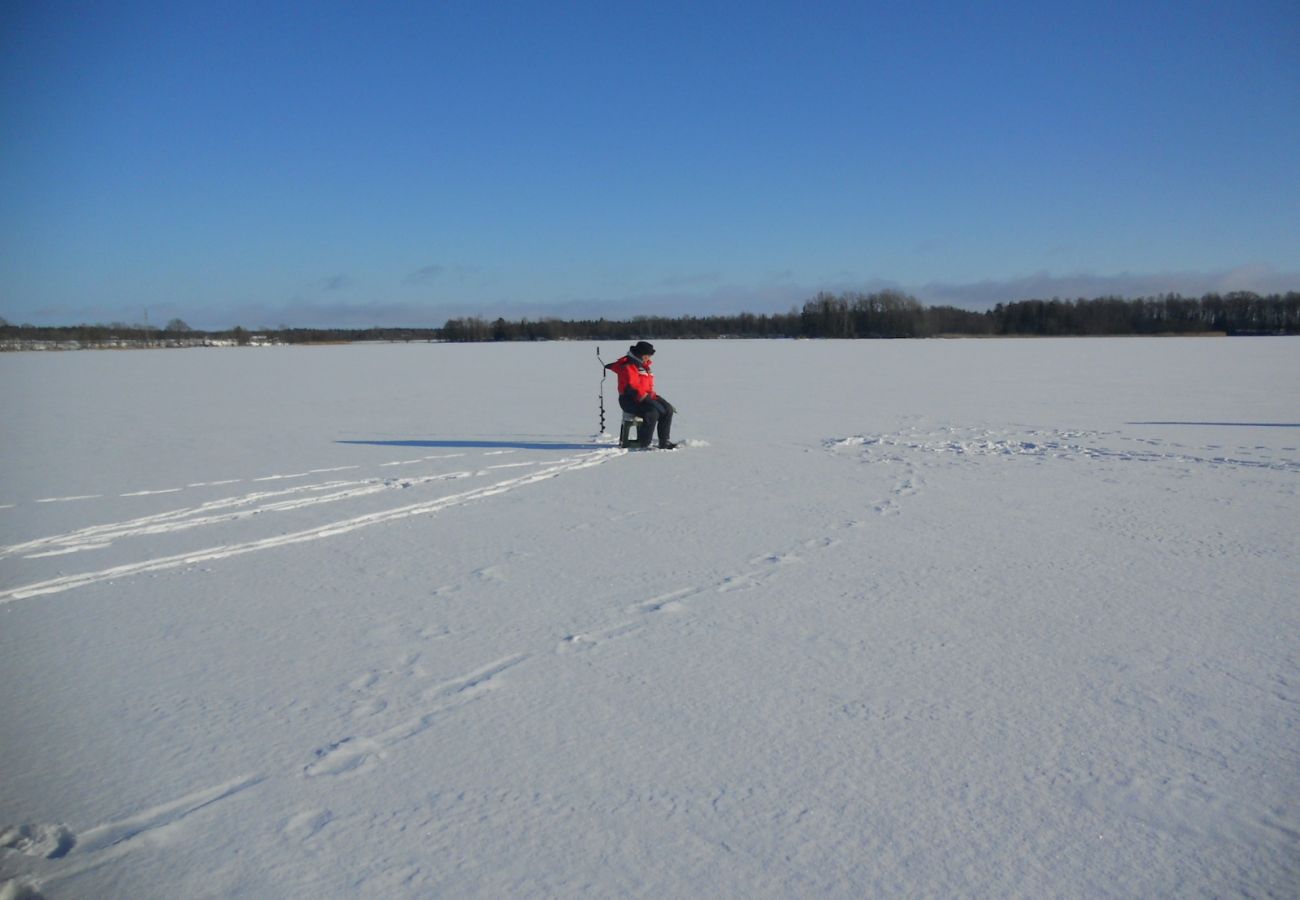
<point x="656" y="413"/>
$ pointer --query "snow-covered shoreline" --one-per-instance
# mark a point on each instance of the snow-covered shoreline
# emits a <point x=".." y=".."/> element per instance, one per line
<point x="923" y="618"/>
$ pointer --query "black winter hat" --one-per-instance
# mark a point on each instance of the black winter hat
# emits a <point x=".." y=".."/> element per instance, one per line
<point x="643" y="348"/>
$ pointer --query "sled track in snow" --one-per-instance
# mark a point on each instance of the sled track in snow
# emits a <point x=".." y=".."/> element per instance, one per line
<point x="211" y="513"/>
<point x="98" y="536"/>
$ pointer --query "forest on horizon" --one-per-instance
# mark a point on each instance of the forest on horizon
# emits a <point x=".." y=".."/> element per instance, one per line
<point x="849" y="315"/>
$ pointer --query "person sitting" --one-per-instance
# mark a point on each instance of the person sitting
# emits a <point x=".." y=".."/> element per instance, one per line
<point x="636" y="395"/>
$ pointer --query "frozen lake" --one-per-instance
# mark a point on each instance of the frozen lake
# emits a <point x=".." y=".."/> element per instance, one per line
<point x="978" y="618"/>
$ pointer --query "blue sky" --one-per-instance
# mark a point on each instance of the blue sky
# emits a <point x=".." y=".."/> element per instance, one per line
<point x="332" y="163"/>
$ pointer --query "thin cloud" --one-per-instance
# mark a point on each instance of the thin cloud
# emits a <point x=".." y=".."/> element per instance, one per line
<point x="693" y="279"/>
<point x="431" y="273"/>
<point x="303" y="313"/>
<point x="1259" y="278"/>
<point x="336" y="283"/>
<point x="424" y="275"/>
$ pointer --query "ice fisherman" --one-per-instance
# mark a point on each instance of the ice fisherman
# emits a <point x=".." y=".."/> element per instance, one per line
<point x="636" y="394"/>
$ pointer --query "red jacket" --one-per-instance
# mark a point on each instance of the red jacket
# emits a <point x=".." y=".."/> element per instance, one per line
<point x="635" y="377"/>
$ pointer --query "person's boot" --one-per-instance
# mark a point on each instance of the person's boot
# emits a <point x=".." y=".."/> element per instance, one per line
<point x="667" y="445"/>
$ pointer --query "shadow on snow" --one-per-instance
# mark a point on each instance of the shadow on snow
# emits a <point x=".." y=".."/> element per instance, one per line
<point x="493" y="445"/>
<point x="1227" y="424"/>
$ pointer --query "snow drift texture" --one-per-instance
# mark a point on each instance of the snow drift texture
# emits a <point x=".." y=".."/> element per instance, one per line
<point x="976" y="618"/>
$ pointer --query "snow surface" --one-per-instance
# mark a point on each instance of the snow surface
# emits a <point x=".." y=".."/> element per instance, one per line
<point x="927" y="618"/>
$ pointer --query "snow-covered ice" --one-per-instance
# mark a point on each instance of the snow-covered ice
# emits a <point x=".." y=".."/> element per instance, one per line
<point x="926" y="618"/>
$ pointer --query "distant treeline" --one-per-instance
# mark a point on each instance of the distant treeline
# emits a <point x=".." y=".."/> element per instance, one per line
<point x="883" y="314"/>
<point x="891" y="314"/>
